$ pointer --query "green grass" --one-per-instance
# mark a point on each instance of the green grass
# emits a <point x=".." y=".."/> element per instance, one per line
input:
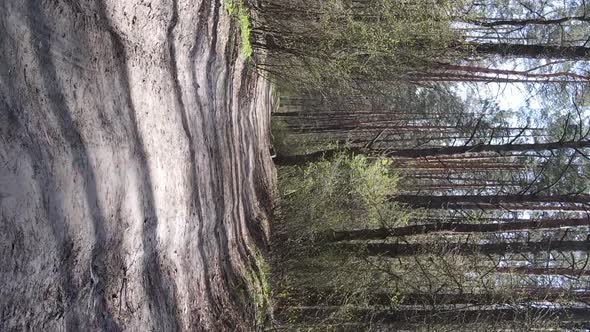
<point x="238" y="10"/>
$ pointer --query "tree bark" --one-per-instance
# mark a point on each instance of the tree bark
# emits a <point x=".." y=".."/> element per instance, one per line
<point x="490" y="23"/>
<point x="293" y="160"/>
<point x="531" y="51"/>
<point x="459" y="201"/>
<point x="526" y="270"/>
<point x="411" y="249"/>
<point x="480" y="314"/>
<point x="332" y="297"/>
<point x="455" y="227"/>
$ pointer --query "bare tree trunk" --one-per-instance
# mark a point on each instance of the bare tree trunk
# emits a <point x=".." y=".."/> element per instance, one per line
<point x="526" y="270"/>
<point x="426" y="152"/>
<point x="455" y="227"/>
<point x="478" y="314"/>
<point x="458" y="201"/>
<point x="531" y="51"/>
<point x="410" y="249"/>
<point x="490" y="23"/>
<point x="332" y="297"/>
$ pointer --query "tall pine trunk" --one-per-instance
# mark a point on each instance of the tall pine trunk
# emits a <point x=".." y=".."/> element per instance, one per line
<point x="501" y="248"/>
<point x="460" y="201"/>
<point x="428" y="152"/>
<point x="531" y="51"/>
<point x="455" y="227"/>
<point x="479" y="314"/>
<point x="333" y="297"/>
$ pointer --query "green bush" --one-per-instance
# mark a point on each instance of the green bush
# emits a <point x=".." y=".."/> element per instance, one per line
<point x="337" y="194"/>
<point x="343" y="193"/>
<point x="337" y="45"/>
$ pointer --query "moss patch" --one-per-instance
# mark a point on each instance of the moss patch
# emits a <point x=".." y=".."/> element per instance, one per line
<point x="257" y="290"/>
<point x="239" y="11"/>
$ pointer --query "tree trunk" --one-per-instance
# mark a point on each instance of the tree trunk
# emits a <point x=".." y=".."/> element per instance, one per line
<point x="410" y="249"/>
<point x="427" y="152"/>
<point x="490" y="23"/>
<point x="531" y="51"/>
<point x="526" y="270"/>
<point x="458" y="201"/>
<point x="455" y="227"/>
<point x="332" y="297"/>
<point x="479" y="314"/>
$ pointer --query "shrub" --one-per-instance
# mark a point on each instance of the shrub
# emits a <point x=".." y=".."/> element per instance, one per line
<point x="341" y="193"/>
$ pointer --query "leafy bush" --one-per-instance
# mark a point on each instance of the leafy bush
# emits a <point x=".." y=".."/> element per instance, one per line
<point x="337" y="194"/>
<point x="343" y="193"/>
<point x="336" y="45"/>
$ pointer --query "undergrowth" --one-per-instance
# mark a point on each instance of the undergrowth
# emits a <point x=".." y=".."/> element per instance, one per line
<point x="342" y="193"/>
<point x="345" y="192"/>
<point x="286" y="144"/>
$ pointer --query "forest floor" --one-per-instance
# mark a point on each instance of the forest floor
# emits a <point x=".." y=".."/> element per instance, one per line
<point x="135" y="173"/>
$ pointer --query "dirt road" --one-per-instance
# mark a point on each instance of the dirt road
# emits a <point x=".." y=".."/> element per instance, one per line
<point x="134" y="167"/>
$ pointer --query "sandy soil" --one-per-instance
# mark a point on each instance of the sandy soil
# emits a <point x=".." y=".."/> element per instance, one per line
<point x="134" y="167"/>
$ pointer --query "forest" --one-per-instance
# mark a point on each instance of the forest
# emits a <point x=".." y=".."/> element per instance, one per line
<point x="294" y="165"/>
<point x="433" y="163"/>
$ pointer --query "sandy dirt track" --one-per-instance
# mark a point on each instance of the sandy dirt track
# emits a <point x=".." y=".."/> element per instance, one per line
<point x="134" y="167"/>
